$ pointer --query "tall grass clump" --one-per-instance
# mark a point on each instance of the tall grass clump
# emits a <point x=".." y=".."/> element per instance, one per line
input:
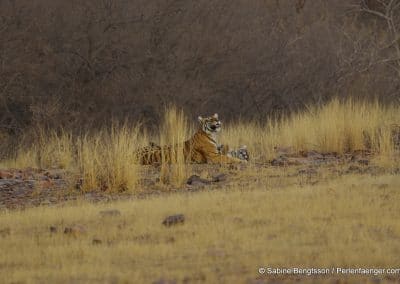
<point x="174" y="131"/>
<point x="104" y="160"/>
<point x="338" y="126"/>
<point x="49" y="149"/>
<point x="107" y="160"/>
<point x="55" y="149"/>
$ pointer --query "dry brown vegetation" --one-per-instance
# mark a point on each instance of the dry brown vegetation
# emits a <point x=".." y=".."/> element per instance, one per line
<point x="78" y="65"/>
<point x="322" y="213"/>
<point x="106" y="160"/>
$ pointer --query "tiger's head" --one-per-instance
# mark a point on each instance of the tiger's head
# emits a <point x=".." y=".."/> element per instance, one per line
<point x="211" y="124"/>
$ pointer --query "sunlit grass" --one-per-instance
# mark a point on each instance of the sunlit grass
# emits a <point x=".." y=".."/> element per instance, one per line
<point x="175" y="130"/>
<point x="340" y="221"/>
<point x="339" y="127"/>
<point x="346" y="222"/>
<point x="106" y="159"/>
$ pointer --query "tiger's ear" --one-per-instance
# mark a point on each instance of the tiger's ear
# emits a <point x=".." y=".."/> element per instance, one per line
<point x="215" y="115"/>
<point x="200" y="119"/>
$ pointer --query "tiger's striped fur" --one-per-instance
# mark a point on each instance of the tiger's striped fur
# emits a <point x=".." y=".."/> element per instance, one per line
<point x="201" y="148"/>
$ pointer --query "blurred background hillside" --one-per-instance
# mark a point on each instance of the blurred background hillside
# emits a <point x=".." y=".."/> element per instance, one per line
<point x="79" y="64"/>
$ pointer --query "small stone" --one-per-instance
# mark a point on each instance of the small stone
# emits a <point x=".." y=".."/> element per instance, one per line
<point x="364" y="162"/>
<point x="110" y="212"/>
<point x="75" y="230"/>
<point x="354" y="168"/>
<point x="219" y="177"/>
<point x="164" y="281"/>
<point x="5" y="175"/>
<point x="173" y="220"/>
<point x="5" y="232"/>
<point x="196" y="180"/>
<point x="96" y="242"/>
<point x="278" y="162"/>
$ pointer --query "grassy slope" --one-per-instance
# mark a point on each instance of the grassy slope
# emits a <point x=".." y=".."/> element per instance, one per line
<point x="341" y="221"/>
<point x="345" y="222"/>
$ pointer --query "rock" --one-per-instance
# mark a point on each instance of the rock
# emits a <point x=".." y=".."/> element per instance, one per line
<point x="196" y="278"/>
<point x="164" y="281"/>
<point x="53" y="229"/>
<point x="97" y="242"/>
<point x="311" y="154"/>
<point x="5" y="232"/>
<point x="110" y="212"/>
<point x="353" y="168"/>
<point x="174" y="220"/>
<point x="6" y="175"/>
<point x="196" y="180"/>
<point x="9" y="182"/>
<point x="280" y="161"/>
<point x="75" y="230"/>
<point x="364" y="162"/>
<point x="287" y="161"/>
<point x="219" y="177"/>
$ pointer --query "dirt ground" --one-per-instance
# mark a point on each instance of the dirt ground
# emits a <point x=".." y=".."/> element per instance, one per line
<point x="22" y="188"/>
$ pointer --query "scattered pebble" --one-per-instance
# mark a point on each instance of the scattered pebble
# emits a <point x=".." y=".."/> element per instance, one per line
<point x="364" y="162"/>
<point x="219" y="178"/>
<point x="164" y="281"/>
<point x="174" y="220"/>
<point x="53" y="229"/>
<point x="196" y="180"/>
<point x="5" y="232"/>
<point x="97" y="242"/>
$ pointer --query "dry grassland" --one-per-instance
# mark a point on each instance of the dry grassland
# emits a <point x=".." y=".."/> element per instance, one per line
<point x="308" y="215"/>
<point x="228" y="234"/>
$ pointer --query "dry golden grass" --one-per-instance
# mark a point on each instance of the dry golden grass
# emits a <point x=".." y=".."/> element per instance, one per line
<point x="50" y="149"/>
<point x="336" y="127"/>
<point x="174" y="131"/>
<point x="253" y="220"/>
<point x="106" y="159"/>
<point x="347" y="222"/>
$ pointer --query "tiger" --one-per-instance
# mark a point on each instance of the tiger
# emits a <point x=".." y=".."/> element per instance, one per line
<point x="203" y="147"/>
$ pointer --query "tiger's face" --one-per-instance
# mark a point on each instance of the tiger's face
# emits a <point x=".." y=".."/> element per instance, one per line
<point x="210" y="124"/>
